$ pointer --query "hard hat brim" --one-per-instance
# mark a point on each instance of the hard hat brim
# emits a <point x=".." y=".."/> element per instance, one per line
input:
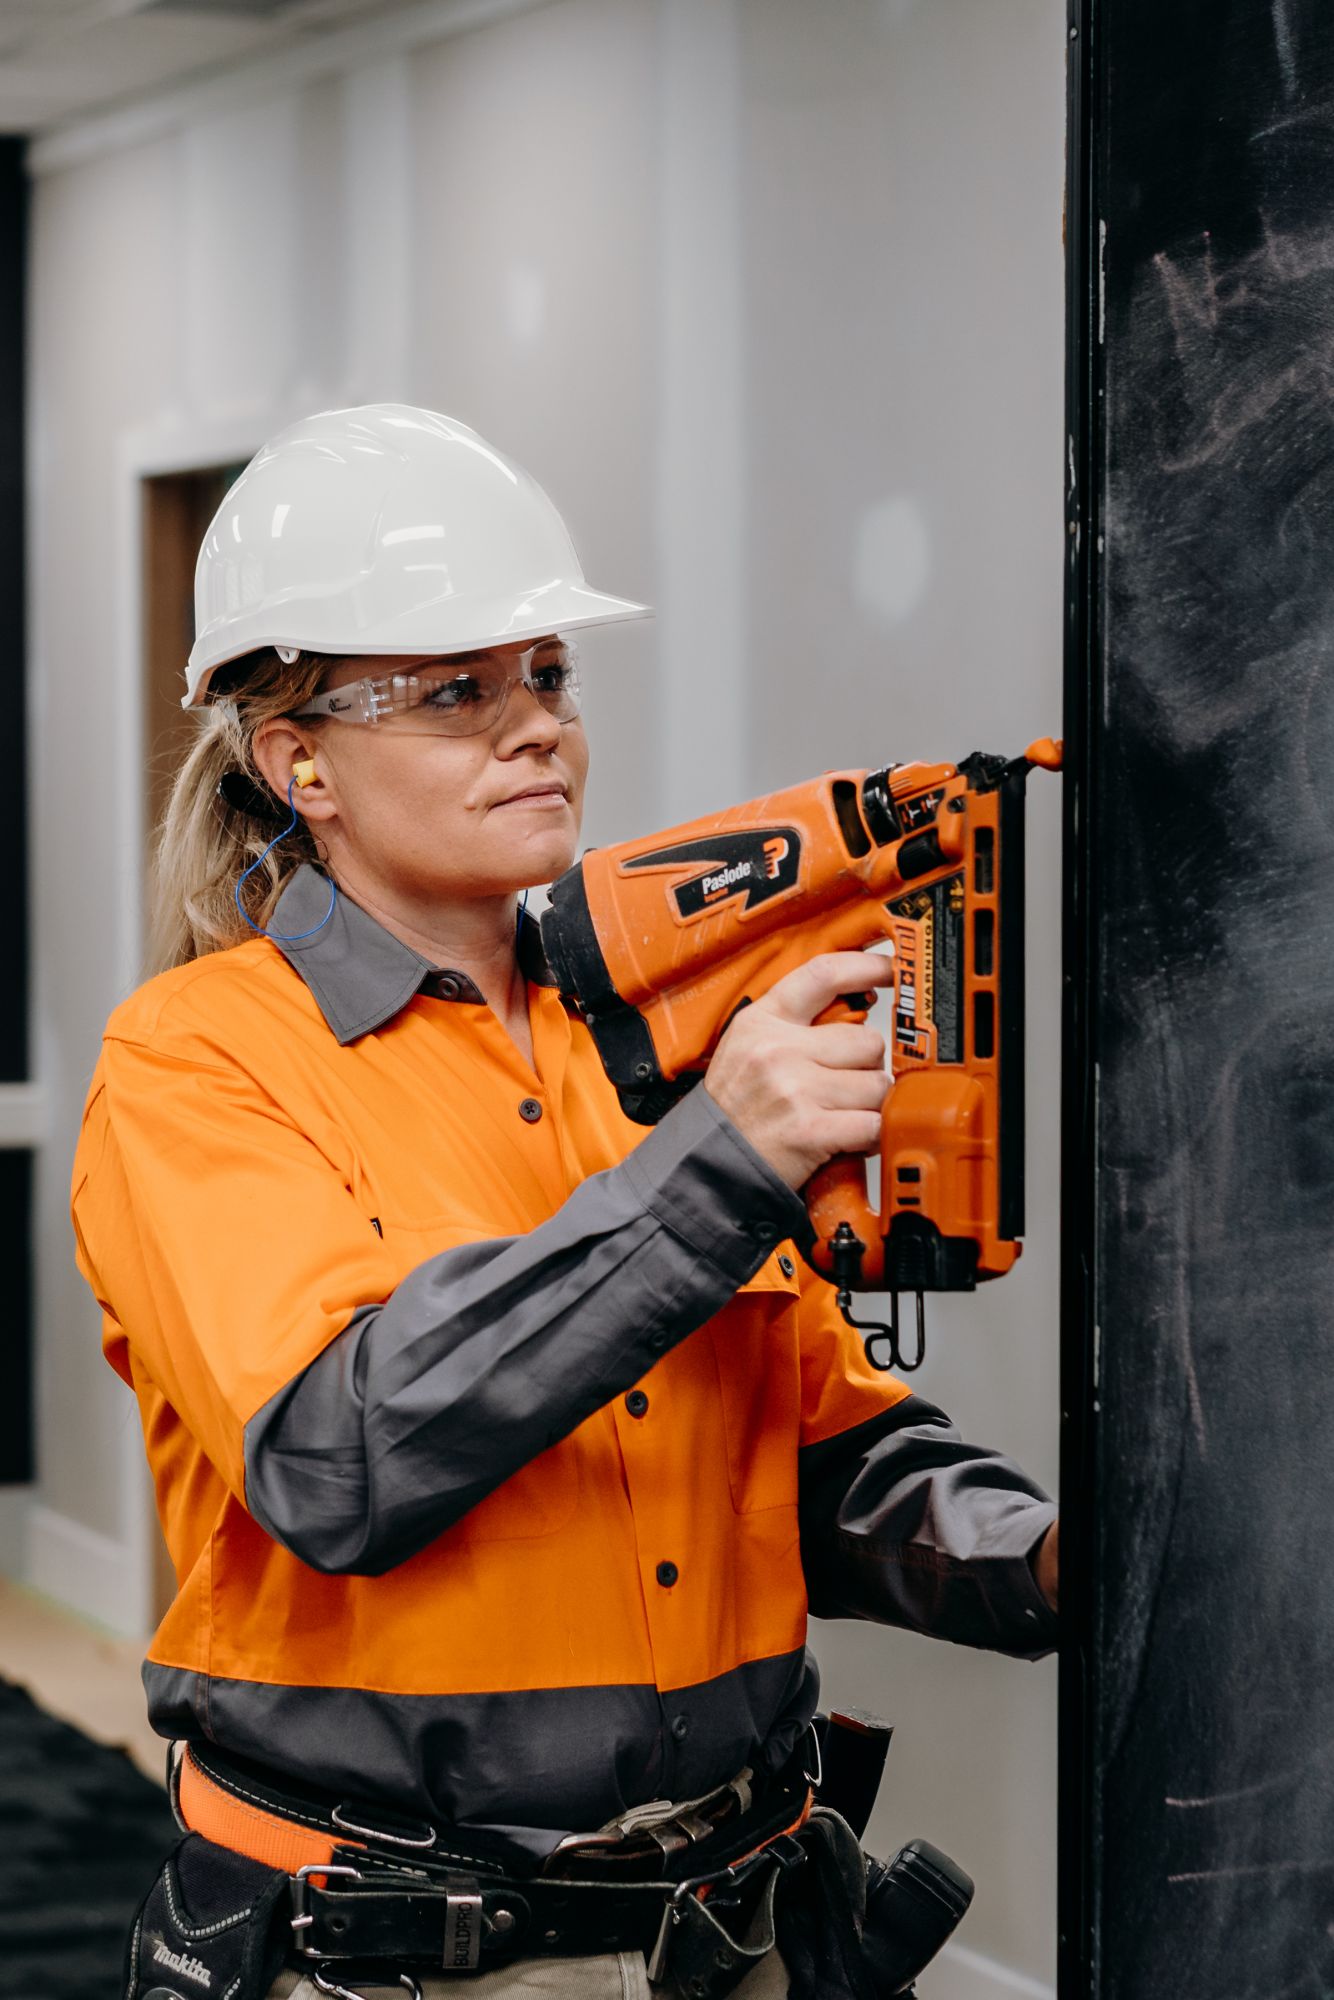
<point x="559" y="606"/>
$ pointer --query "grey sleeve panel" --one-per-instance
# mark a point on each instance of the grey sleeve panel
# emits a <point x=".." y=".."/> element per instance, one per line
<point x="905" y="1524"/>
<point x="486" y="1355"/>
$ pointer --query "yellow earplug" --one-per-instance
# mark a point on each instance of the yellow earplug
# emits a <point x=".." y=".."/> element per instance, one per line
<point x="304" y="772"/>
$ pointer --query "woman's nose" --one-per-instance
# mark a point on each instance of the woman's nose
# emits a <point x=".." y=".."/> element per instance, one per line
<point x="524" y="723"/>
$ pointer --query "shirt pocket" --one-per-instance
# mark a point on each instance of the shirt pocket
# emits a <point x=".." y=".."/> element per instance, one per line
<point x="756" y="1349"/>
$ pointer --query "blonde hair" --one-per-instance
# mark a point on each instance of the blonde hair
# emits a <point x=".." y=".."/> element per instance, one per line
<point x="204" y="843"/>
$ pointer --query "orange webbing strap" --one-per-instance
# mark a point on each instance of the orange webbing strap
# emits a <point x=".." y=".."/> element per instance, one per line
<point x="232" y="1822"/>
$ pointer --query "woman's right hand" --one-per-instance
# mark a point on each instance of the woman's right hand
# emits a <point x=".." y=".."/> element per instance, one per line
<point x="799" y="1093"/>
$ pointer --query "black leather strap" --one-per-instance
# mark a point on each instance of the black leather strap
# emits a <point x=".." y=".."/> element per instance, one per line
<point x="461" y="1923"/>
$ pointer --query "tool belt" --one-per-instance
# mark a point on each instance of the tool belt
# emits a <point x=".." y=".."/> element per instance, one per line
<point x="269" y="1874"/>
<point x="266" y="1876"/>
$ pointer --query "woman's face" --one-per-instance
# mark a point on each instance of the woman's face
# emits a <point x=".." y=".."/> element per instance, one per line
<point x="429" y="815"/>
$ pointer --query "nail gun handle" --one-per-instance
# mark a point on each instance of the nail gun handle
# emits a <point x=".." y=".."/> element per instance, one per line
<point x="837" y="1193"/>
<point x="836" y="1196"/>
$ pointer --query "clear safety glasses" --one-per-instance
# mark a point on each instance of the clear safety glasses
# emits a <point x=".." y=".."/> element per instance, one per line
<point x="458" y="696"/>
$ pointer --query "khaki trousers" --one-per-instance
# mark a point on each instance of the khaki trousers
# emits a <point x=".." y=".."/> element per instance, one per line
<point x="620" y="1977"/>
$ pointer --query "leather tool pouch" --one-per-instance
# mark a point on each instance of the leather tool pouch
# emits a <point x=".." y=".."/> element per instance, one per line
<point x="209" y="1928"/>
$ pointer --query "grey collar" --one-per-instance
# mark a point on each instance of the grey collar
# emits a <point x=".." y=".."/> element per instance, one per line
<point x="360" y="974"/>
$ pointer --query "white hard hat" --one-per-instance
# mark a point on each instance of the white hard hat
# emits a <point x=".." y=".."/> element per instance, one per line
<point x="384" y="529"/>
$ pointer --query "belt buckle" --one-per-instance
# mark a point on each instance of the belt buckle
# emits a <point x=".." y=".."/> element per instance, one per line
<point x="301" y="1919"/>
<point x="660" y="1830"/>
<point x="464" y="1919"/>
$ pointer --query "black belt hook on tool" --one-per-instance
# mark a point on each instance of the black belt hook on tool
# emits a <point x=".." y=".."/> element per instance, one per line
<point x="848" y="1250"/>
<point x="874" y="1332"/>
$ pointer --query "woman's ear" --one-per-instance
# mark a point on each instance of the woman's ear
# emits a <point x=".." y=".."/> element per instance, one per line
<point x="283" y="752"/>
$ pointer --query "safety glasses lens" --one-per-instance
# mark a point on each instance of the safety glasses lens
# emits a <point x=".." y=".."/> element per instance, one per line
<point x="462" y="698"/>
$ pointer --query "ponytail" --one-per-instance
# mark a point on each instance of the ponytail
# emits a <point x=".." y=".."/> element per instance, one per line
<point x="205" y="843"/>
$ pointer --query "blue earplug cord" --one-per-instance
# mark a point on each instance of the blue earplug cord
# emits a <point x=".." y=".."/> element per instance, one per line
<point x="281" y="937"/>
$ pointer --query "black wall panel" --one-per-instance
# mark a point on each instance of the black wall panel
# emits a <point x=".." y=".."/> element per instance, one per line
<point x="15" y="1167"/>
<point x="1199" y="1769"/>
<point x="13" y="871"/>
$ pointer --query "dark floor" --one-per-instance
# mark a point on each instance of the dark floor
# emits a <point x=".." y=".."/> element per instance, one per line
<point x="82" y="1833"/>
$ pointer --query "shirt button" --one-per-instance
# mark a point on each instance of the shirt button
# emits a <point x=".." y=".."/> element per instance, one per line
<point x="763" y="1232"/>
<point x="636" y="1402"/>
<point x="657" y="1341"/>
<point x="787" y="1267"/>
<point x="681" y="1728"/>
<point x="531" y="1110"/>
<point x="667" y="1574"/>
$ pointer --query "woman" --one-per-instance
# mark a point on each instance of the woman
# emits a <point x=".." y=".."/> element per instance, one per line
<point x="499" y="1446"/>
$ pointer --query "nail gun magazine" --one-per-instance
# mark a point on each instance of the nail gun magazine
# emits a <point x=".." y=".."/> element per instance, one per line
<point x="658" y="941"/>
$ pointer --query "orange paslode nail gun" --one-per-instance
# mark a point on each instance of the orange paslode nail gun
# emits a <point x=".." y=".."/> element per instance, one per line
<point x="659" y="941"/>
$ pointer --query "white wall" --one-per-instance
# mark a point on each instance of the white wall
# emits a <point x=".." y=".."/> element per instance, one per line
<point x="769" y="296"/>
<point x="901" y="221"/>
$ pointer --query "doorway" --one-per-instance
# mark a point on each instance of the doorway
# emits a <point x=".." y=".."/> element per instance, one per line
<point x="177" y="508"/>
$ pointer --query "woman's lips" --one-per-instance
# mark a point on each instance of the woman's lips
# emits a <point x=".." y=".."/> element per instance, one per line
<point x="547" y="796"/>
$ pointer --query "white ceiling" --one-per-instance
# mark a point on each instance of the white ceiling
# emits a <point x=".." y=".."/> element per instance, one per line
<point x="61" y="59"/>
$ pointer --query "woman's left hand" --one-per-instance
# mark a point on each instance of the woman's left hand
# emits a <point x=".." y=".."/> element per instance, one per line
<point x="1046" y="1565"/>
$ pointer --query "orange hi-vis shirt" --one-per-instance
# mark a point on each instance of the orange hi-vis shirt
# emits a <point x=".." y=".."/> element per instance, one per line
<point x="498" y="1444"/>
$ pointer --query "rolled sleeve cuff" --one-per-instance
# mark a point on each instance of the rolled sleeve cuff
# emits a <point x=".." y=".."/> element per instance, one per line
<point x="1010" y="1545"/>
<point x="704" y="1182"/>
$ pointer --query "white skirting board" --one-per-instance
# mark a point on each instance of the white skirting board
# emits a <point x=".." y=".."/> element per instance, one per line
<point x="960" y="1974"/>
